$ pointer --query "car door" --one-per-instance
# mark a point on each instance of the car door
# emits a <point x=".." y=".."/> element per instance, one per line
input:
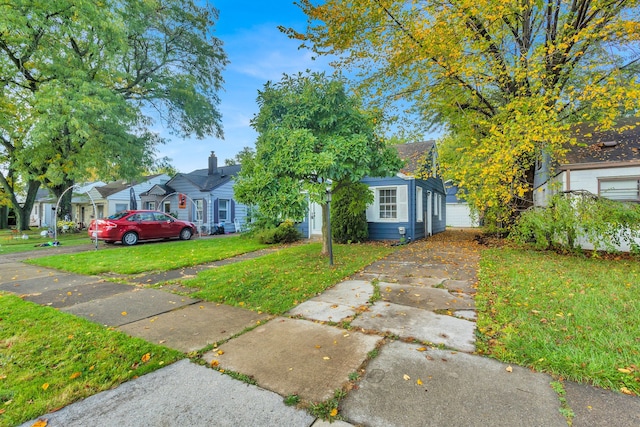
<point x="148" y="226"/>
<point x="166" y="225"/>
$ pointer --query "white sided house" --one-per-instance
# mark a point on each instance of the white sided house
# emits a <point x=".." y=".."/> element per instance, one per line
<point x="604" y="163"/>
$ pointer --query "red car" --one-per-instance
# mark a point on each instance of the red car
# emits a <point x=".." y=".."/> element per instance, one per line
<point x="131" y="226"/>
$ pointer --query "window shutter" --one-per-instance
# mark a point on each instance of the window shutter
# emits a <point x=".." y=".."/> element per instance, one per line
<point x="403" y="203"/>
<point x="232" y="217"/>
<point x="215" y="211"/>
<point x="372" y="209"/>
<point x="204" y="210"/>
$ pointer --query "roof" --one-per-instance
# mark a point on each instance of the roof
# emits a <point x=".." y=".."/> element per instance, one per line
<point x="117" y="186"/>
<point x="203" y="181"/>
<point x="163" y="189"/>
<point x="413" y="153"/>
<point x="604" y="148"/>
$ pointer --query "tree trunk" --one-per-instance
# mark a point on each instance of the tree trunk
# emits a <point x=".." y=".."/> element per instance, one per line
<point x="23" y="212"/>
<point x="64" y="207"/>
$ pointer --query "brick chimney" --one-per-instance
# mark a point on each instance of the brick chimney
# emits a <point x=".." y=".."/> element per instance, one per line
<point x="213" y="163"/>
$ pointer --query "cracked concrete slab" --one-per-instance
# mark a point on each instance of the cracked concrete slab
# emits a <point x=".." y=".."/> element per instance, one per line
<point x="44" y="283"/>
<point x="120" y="309"/>
<point x="425" y="297"/>
<point x="405" y="387"/>
<point x="411" y="322"/>
<point x="293" y="356"/>
<point x="322" y="311"/>
<point x="72" y="295"/>
<point x="352" y="293"/>
<point x="195" y="326"/>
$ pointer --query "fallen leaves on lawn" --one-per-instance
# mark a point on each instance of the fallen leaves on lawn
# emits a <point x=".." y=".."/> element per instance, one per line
<point x="145" y="358"/>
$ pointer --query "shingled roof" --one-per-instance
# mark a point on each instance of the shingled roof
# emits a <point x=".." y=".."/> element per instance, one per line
<point x="605" y="148"/>
<point x="205" y="181"/>
<point x="413" y="154"/>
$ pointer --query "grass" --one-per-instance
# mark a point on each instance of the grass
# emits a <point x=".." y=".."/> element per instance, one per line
<point x="577" y="318"/>
<point x="159" y="256"/>
<point x="10" y="243"/>
<point x="49" y="359"/>
<point x="277" y="282"/>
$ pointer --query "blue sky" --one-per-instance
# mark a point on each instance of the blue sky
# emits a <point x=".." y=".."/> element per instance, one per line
<point x="258" y="52"/>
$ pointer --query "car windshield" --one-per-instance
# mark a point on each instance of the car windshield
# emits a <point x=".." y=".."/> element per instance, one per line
<point x="119" y="215"/>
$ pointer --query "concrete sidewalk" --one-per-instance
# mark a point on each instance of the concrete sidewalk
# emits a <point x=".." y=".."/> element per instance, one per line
<point x="411" y="352"/>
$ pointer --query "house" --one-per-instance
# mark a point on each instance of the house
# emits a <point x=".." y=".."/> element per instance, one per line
<point x="604" y="163"/>
<point x="404" y="206"/>
<point x="117" y="196"/>
<point x="42" y="214"/>
<point x="205" y="197"/>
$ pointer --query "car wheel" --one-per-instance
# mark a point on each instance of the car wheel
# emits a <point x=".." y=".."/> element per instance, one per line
<point x="130" y="238"/>
<point x="185" y="234"/>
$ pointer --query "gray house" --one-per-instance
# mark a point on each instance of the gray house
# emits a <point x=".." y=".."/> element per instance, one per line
<point x="204" y="196"/>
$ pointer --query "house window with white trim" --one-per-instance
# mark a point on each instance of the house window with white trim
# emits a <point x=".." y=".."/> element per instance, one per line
<point x="223" y="210"/>
<point x="199" y="209"/>
<point x="151" y="206"/>
<point x="388" y="205"/>
<point x="625" y="189"/>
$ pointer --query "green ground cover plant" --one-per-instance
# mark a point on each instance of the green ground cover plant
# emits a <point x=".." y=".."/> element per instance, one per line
<point x="575" y="317"/>
<point x="158" y="256"/>
<point x="277" y="282"/>
<point x="49" y="359"/>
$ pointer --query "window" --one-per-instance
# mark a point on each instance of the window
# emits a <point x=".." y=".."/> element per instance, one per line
<point x="388" y="205"/>
<point x="167" y="207"/>
<point x="223" y="210"/>
<point x="419" y="205"/>
<point x="121" y="207"/>
<point x="199" y="209"/>
<point x="622" y="189"/>
<point x="151" y="206"/>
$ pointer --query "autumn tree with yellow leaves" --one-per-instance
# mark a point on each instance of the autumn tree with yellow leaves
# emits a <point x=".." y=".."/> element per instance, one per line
<point x="505" y="79"/>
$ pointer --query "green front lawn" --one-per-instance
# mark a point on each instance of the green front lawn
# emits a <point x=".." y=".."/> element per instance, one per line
<point x="158" y="256"/>
<point x="49" y="359"/>
<point x="12" y="243"/>
<point x="279" y="281"/>
<point x="574" y="317"/>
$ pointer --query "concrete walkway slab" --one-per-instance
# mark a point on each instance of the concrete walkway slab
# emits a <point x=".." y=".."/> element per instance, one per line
<point x="195" y="326"/>
<point x="14" y="271"/>
<point x="128" y="307"/>
<point x="410" y="322"/>
<point x="352" y="293"/>
<point x="41" y="284"/>
<point x="323" y="311"/>
<point x="455" y="389"/>
<point x="424" y="297"/>
<point x="593" y="406"/>
<point x="293" y="356"/>
<point x="182" y="394"/>
<point x="71" y="295"/>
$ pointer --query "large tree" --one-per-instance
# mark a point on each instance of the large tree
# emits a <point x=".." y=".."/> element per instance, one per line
<point x="81" y="81"/>
<point x="310" y="131"/>
<point x="505" y="78"/>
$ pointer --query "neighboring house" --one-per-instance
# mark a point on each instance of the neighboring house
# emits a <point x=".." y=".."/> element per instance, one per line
<point x="44" y="206"/>
<point x="159" y="197"/>
<point x="402" y="203"/>
<point x="208" y="197"/>
<point x="605" y="163"/>
<point x="458" y="210"/>
<point x="119" y="195"/>
<point x="43" y="209"/>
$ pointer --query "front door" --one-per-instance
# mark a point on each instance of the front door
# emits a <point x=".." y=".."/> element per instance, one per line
<point x="315" y="219"/>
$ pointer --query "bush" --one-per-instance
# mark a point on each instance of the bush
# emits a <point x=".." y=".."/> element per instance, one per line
<point x="286" y="232"/>
<point x="574" y="217"/>
<point x="348" y="213"/>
